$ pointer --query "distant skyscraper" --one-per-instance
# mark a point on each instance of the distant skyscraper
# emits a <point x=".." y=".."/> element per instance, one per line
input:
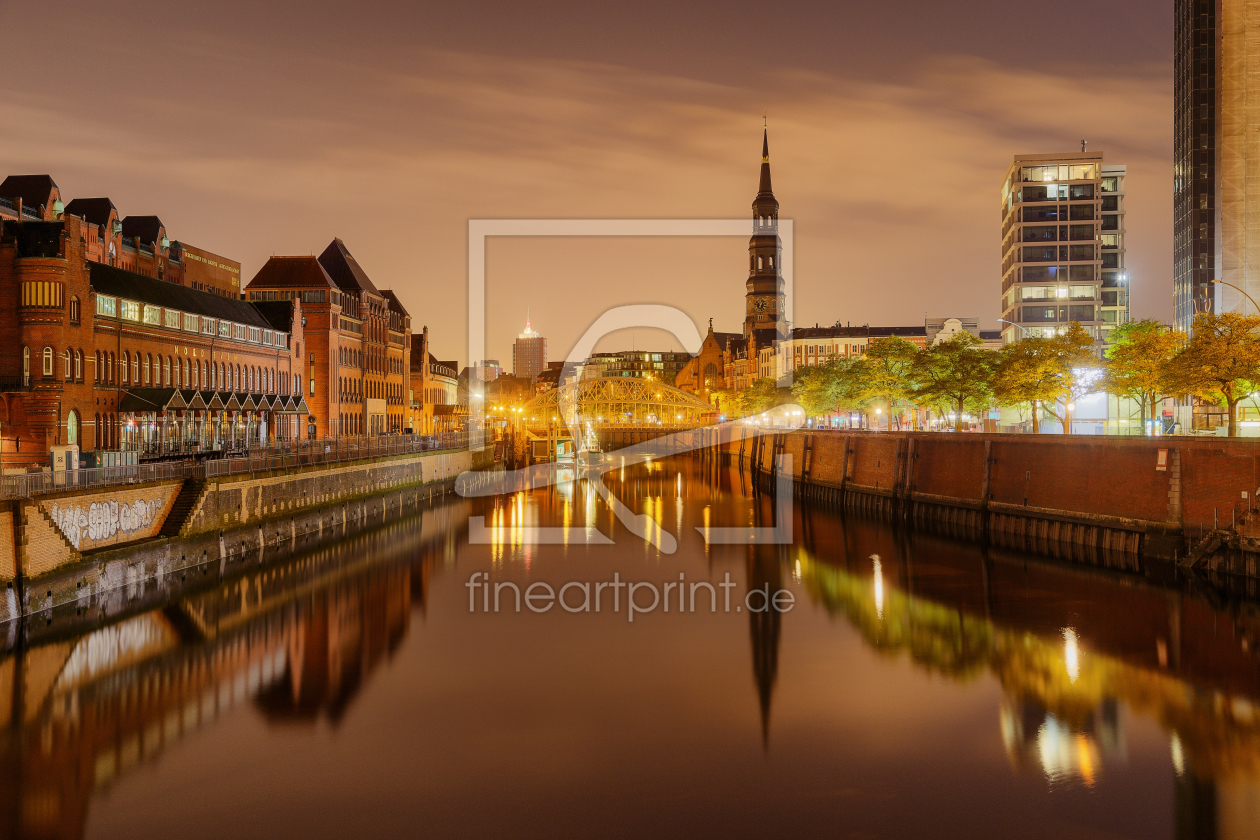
<point x="529" y="354"/>
<point x="1197" y="194"/>
<point x="1063" y="250"/>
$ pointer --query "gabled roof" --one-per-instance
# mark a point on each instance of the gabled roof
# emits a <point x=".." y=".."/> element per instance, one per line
<point x="862" y="331"/>
<point x="34" y="190"/>
<point x="395" y="305"/>
<point x="147" y="228"/>
<point x="277" y="313"/>
<point x="291" y="273"/>
<point x="108" y="280"/>
<point x="92" y="210"/>
<point x="344" y="269"/>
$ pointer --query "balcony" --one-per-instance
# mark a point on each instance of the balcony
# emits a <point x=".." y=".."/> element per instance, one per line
<point x="14" y="383"/>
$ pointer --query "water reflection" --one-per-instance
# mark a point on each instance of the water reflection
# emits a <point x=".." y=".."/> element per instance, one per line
<point x="297" y="642"/>
<point x="1079" y="658"/>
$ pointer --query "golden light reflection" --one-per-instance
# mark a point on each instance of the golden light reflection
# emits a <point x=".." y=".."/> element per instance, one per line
<point x="1071" y="654"/>
<point x="879" y="587"/>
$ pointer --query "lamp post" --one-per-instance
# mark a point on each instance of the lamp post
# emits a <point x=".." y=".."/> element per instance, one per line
<point x="1244" y="294"/>
<point x="1027" y="331"/>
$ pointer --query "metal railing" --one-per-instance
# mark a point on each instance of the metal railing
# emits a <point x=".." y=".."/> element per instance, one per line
<point x="33" y="484"/>
<point x="259" y="459"/>
<point x="332" y="450"/>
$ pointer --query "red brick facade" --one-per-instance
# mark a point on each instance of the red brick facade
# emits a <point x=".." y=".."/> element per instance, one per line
<point x="97" y="354"/>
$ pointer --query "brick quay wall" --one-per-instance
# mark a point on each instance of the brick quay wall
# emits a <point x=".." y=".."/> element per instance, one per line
<point x="1108" y="500"/>
<point x="76" y="546"/>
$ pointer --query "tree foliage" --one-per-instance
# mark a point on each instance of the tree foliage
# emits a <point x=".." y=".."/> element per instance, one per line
<point x="885" y="375"/>
<point x="1221" y="361"/>
<point x="1138" y="363"/>
<point x="957" y="373"/>
<point x="1048" y="373"/>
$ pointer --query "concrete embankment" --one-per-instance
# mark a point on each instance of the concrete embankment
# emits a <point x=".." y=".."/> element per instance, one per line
<point x="1107" y="500"/>
<point x="61" y="548"/>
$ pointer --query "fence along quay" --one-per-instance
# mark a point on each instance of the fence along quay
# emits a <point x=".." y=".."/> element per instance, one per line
<point x="69" y="537"/>
<point x="1102" y="500"/>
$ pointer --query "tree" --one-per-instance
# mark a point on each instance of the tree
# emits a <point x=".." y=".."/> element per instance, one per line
<point x="1048" y="373"/>
<point x="831" y="386"/>
<point x="886" y="373"/>
<point x="815" y="389"/>
<point x="763" y="395"/>
<point x="1138" y="363"/>
<point x="1220" y="362"/>
<point x="957" y="372"/>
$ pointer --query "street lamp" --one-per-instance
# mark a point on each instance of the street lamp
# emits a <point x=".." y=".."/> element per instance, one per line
<point x="1027" y="332"/>
<point x="1249" y="297"/>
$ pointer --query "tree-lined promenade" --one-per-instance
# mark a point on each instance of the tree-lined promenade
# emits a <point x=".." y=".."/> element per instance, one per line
<point x="1040" y="378"/>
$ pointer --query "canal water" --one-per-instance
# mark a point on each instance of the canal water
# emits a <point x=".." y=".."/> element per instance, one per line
<point x="910" y="685"/>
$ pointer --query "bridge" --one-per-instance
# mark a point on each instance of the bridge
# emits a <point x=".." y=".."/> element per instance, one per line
<point x="617" y="401"/>
<point x="619" y="411"/>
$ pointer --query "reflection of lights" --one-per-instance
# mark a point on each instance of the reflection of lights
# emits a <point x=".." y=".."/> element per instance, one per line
<point x="1063" y="754"/>
<point x="797" y="573"/>
<point x="879" y="587"/>
<point x="1178" y="757"/>
<point x="1071" y="653"/>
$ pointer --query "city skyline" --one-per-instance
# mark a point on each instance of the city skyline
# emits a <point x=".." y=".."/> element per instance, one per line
<point x="890" y="172"/>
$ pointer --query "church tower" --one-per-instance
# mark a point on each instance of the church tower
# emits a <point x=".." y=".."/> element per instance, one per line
<point x="764" y="300"/>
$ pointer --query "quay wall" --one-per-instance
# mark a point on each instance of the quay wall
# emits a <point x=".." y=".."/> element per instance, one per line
<point x="240" y="500"/>
<point x="1139" y="496"/>
<point x="51" y="546"/>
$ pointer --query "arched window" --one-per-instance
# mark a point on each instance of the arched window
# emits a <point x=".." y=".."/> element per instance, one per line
<point x="26" y="366"/>
<point x="72" y="427"/>
<point x="48" y="361"/>
<point x="772" y="262"/>
<point x="78" y="365"/>
<point x="96" y="369"/>
<point x="135" y="368"/>
<point x="196" y="374"/>
<point x="166" y="372"/>
<point x="69" y="373"/>
<point x="96" y="431"/>
<point x="109" y="368"/>
<point x="126" y="366"/>
<point x="148" y="364"/>
<point x="74" y="310"/>
<point x="761" y="263"/>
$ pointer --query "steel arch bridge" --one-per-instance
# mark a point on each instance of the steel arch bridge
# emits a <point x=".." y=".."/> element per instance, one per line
<point x="619" y="401"/>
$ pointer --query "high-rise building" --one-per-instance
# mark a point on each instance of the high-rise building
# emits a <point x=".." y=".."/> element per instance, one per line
<point x="1216" y="209"/>
<point x="1063" y="245"/>
<point x="1195" y="227"/>
<point x="529" y="354"/>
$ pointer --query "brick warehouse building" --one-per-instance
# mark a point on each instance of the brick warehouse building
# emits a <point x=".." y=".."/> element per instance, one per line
<point x="125" y="340"/>
<point x="110" y="359"/>
<point x="358" y="358"/>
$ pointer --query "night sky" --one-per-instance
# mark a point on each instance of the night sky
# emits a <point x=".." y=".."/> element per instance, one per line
<point x="255" y="129"/>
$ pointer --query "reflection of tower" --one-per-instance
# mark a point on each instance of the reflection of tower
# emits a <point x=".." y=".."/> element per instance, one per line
<point x="764" y="627"/>
<point x="1195" y="808"/>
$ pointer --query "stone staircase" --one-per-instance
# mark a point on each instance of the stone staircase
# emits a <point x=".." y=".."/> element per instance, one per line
<point x="183" y="506"/>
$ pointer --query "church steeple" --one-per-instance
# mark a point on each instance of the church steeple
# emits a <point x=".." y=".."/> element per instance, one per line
<point x="765" y="188"/>
<point x="764" y="300"/>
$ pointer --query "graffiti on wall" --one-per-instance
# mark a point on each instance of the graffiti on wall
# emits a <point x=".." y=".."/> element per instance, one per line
<point x="105" y="519"/>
